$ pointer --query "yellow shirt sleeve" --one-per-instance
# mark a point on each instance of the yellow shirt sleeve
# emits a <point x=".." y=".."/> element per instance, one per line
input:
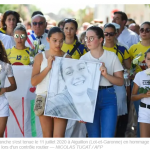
<point x="131" y="52"/>
<point x="126" y="54"/>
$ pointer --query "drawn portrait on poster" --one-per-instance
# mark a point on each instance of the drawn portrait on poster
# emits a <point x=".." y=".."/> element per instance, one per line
<point x="73" y="89"/>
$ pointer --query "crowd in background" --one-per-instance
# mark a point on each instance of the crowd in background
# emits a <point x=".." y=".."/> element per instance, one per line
<point x="122" y="38"/>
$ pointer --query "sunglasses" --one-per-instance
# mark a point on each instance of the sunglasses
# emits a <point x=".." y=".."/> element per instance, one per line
<point x="110" y="34"/>
<point x="147" y="30"/>
<point x="39" y="23"/>
<point x="91" y="38"/>
<point x="22" y="36"/>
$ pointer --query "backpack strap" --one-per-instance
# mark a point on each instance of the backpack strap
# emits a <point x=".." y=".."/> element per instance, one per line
<point x="117" y="50"/>
<point x="74" y="48"/>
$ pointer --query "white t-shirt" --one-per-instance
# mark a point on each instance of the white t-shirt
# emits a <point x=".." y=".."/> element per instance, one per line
<point x="128" y="38"/>
<point x="143" y="80"/>
<point x="111" y="61"/>
<point x="32" y="36"/>
<point x="7" y="41"/>
<point x="6" y="70"/>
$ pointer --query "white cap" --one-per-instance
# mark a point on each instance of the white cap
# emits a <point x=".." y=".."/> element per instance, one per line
<point x="117" y="26"/>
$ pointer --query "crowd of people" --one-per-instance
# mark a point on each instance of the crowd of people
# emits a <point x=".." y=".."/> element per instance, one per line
<point x="115" y="45"/>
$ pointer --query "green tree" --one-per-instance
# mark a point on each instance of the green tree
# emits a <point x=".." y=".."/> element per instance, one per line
<point x="25" y="10"/>
<point x="5" y="7"/>
<point x="84" y="15"/>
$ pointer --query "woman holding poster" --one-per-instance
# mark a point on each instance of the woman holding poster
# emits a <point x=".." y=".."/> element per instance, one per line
<point x="51" y="127"/>
<point x="105" y="117"/>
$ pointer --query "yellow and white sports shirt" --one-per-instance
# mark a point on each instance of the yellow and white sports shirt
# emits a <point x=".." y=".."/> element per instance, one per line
<point x="18" y="57"/>
<point x="136" y="49"/>
<point x="81" y="50"/>
<point x="120" y="50"/>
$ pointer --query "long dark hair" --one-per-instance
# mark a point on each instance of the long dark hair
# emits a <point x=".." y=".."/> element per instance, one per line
<point x="55" y="30"/>
<point x="74" y="22"/>
<point x="146" y="22"/>
<point x="109" y="26"/>
<point x="3" y="55"/>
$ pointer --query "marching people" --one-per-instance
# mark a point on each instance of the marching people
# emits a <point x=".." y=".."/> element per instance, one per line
<point x="38" y="23"/>
<point x="5" y="70"/>
<point x="19" y="54"/>
<point x="51" y="127"/>
<point x="141" y="81"/>
<point x="9" y="21"/>
<point x="136" y="49"/>
<point x="105" y="117"/>
<point x="75" y="49"/>
<point x="71" y="44"/>
<point x="125" y="36"/>
<point x="122" y="53"/>
<point x="115" y="53"/>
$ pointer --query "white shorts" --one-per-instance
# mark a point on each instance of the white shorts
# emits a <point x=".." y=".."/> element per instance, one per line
<point x="4" y="106"/>
<point x="144" y="115"/>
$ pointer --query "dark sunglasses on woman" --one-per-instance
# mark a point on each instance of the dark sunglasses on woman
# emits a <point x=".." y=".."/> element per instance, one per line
<point x="147" y="30"/>
<point x="110" y="34"/>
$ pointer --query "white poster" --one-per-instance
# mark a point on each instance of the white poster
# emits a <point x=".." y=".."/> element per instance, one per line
<point x="22" y="121"/>
<point x="73" y="89"/>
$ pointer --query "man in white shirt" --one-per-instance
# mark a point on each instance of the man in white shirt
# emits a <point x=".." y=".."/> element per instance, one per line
<point x="38" y="24"/>
<point x="126" y="36"/>
<point x="7" y="41"/>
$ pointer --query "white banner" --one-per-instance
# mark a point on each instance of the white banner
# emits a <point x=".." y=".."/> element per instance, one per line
<point x="22" y="121"/>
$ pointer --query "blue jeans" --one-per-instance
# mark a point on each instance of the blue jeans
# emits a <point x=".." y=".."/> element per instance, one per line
<point x="136" y="105"/>
<point x="105" y="117"/>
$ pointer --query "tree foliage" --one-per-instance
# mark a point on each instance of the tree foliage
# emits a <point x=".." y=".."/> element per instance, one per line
<point x="25" y="10"/>
<point x="5" y="7"/>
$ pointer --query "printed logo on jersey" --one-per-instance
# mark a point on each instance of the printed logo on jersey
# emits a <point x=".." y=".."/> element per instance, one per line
<point x="18" y="57"/>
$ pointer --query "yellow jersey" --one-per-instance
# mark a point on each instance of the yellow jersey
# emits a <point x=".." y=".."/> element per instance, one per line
<point x="2" y="31"/>
<point x="81" y="50"/>
<point x="136" y="49"/>
<point x="120" y="51"/>
<point x="18" y="57"/>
